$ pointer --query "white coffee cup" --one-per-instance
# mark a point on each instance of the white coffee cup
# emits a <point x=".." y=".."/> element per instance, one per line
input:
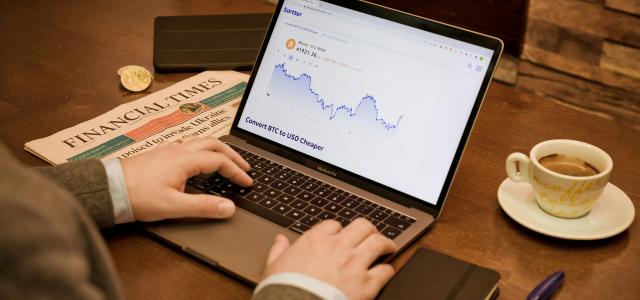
<point x="558" y="194"/>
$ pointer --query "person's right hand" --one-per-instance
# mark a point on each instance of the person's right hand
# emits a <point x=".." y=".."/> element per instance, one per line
<point x="156" y="179"/>
<point x="337" y="256"/>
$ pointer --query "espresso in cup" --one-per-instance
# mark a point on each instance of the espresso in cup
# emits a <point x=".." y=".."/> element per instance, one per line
<point x="567" y="177"/>
<point x="568" y="165"/>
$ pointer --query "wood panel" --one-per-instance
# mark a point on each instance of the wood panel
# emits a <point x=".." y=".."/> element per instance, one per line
<point x="629" y="6"/>
<point x="584" y="95"/>
<point x="620" y="58"/>
<point x="579" y="46"/>
<point x="574" y="67"/>
<point x="580" y="69"/>
<point x="578" y="38"/>
<point x="588" y="17"/>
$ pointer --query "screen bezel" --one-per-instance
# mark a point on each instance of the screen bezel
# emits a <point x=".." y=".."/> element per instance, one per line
<point x="436" y="27"/>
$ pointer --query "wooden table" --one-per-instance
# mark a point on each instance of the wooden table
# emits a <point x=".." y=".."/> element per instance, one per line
<point x="58" y="68"/>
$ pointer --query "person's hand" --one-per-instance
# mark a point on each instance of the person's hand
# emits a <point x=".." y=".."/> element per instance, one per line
<point x="337" y="256"/>
<point x="156" y="180"/>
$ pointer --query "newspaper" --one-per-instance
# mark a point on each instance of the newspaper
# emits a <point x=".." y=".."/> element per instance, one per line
<point x="203" y="105"/>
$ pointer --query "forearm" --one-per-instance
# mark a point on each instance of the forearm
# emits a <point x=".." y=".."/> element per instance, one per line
<point x="87" y="181"/>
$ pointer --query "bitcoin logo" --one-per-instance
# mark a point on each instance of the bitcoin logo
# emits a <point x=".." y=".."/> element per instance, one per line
<point x="291" y="43"/>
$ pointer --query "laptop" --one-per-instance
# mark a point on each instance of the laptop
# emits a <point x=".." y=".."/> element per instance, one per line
<point x="352" y="110"/>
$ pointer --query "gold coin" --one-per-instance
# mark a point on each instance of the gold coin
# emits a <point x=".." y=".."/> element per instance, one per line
<point x="135" y="78"/>
<point x="290" y="44"/>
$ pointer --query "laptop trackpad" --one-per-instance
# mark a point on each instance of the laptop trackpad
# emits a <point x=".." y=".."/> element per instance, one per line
<point x="239" y="245"/>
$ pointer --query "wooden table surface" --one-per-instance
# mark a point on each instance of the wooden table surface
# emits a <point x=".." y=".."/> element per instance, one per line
<point x="58" y="65"/>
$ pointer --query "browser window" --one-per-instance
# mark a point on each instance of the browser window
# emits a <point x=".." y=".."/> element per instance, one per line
<point x="380" y="99"/>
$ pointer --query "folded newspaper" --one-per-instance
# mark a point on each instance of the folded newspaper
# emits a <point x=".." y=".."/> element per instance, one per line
<point x="203" y="105"/>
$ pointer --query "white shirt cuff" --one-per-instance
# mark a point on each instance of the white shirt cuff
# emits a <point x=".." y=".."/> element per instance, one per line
<point x="308" y="283"/>
<point x="118" y="189"/>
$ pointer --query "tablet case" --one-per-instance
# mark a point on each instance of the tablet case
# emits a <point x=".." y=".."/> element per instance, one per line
<point x="432" y="275"/>
<point x="217" y="42"/>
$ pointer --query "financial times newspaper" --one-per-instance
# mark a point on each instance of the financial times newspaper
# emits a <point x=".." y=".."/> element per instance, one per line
<point x="203" y="105"/>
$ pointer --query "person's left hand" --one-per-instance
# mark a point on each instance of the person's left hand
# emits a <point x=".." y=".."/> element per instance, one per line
<point x="156" y="180"/>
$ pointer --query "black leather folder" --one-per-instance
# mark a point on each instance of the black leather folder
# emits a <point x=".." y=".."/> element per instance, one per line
<point x="430" y="275"/>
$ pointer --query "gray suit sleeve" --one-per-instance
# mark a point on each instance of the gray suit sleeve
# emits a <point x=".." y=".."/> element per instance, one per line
<point x="284" y="292"/>
<point x="49" y="248"/>
<point x="87" y="181"/>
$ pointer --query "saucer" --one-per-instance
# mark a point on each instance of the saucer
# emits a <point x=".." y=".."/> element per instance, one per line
<point x="612" y="214"/>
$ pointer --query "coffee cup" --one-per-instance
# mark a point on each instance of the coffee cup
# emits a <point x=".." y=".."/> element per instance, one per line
<point x="567" y="176"/>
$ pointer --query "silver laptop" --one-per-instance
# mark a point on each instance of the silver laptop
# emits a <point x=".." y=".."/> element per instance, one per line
<point x="352" y="110"/>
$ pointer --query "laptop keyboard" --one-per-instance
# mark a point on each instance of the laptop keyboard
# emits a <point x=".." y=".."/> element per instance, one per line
<point x="296" y="201"/>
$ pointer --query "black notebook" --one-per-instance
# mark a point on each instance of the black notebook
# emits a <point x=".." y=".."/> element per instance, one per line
<point x="217" y="42"/>
<point x="432" y="275"/>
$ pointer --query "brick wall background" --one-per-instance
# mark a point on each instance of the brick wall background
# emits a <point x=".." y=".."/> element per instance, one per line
<point x="584" y="53"/>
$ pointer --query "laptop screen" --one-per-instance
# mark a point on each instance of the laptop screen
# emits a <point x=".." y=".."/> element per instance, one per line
<point x="383" y="100"/>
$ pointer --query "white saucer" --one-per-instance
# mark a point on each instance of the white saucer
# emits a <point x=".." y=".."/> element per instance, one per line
<point x="612" y="214"/>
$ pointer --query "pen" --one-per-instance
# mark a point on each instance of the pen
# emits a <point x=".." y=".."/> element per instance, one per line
<point x="545" y="289"/>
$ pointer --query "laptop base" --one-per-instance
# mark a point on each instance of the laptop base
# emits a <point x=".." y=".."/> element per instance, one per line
<point x="238" y="245"/>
